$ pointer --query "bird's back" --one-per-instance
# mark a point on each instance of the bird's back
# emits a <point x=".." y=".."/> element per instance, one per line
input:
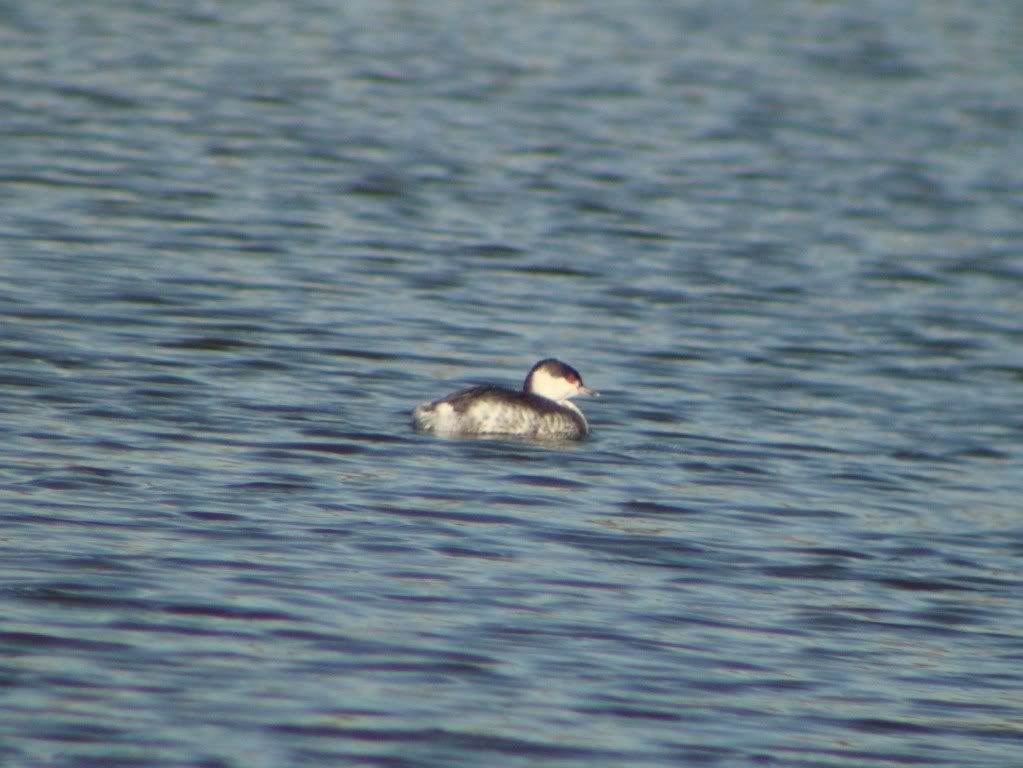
<point x="491" y="410"/>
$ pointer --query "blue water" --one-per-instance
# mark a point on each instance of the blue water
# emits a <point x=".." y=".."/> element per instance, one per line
<point x="239" y="242"/>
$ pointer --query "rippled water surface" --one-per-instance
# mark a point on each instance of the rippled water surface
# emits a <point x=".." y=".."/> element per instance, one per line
<point x="239" y="242"/>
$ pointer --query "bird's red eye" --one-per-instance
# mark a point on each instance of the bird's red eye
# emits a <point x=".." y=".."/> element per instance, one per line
<point x="571" y="379"/>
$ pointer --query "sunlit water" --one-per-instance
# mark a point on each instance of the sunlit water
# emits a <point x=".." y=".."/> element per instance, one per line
<point x="240" y="242"/>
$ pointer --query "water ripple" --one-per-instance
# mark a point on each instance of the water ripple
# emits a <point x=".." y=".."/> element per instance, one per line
<point x="790" y="266"/>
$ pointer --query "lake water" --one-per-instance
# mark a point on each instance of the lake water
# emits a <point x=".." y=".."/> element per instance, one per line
<point x="239" y="242"/>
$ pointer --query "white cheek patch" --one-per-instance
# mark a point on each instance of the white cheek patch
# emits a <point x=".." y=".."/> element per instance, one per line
<point x="554" y="389"/>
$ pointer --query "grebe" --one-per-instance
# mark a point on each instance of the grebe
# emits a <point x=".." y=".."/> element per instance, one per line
<point x="541" y="410"/>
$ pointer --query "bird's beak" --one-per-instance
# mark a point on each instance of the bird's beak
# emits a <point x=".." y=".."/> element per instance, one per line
<point x="584" y="390"/>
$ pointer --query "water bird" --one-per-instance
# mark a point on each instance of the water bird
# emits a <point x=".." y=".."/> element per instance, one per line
<point x="541" y="410"/>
